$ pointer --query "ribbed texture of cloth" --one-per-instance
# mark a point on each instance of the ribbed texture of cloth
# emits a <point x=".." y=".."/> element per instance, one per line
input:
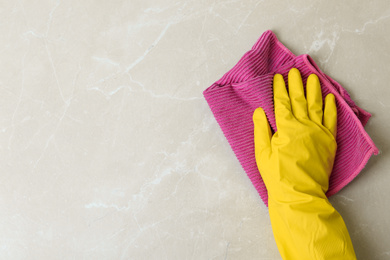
<point x="248" y="85"/>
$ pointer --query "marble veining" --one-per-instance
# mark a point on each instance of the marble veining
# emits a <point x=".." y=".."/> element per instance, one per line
<point x="109" y="151"/>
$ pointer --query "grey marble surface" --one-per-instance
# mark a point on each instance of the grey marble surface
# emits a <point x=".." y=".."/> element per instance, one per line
<point x="109" y="151"/>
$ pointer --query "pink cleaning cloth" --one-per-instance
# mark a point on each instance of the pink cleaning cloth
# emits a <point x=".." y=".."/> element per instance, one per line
<point x="248" y="85"/>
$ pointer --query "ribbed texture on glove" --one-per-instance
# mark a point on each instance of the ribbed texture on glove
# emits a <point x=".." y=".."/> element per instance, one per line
<point x="248" y="85"/>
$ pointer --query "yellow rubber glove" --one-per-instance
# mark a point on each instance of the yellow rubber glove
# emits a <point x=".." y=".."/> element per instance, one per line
<point x="295" y="164"/>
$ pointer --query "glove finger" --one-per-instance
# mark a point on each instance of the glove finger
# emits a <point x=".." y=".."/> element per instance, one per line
<point x="297" y="94"/>
<point x="281" y="100"/>
<point x="330" y="114"/>
<point x="314" y="99"/>
<point x="262" y="133"/>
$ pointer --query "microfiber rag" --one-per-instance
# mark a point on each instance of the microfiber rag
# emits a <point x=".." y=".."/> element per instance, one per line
<point x="248" y="85"/>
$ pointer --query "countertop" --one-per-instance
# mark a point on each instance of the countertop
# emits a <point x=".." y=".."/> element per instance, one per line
<point x="108" y="149"/>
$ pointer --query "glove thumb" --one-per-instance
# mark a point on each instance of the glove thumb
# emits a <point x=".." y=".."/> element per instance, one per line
<point x="263" y="134"/>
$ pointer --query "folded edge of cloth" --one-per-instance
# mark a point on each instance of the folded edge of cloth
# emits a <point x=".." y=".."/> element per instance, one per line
<point x="248" y="85"/>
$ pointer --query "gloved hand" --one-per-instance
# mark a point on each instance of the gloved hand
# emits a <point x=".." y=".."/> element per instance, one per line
<point x="295" y="164"/>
